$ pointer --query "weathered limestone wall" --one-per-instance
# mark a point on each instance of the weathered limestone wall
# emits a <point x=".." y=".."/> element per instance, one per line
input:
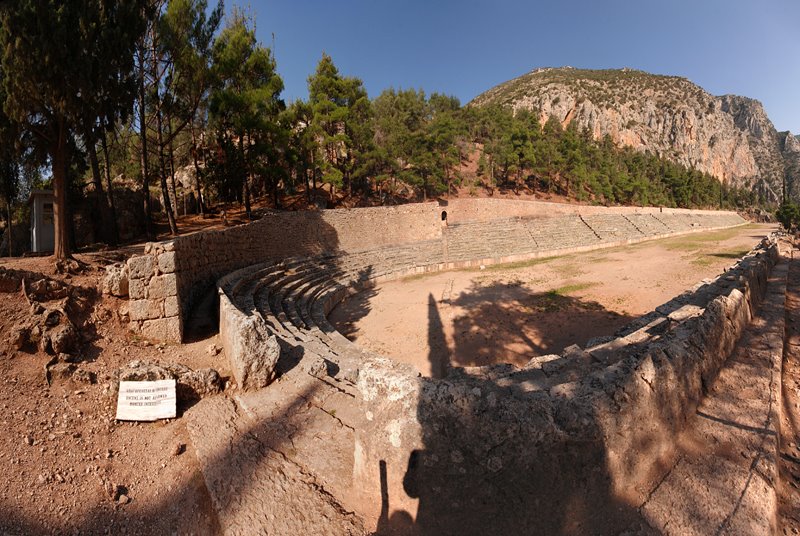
<point x="572" y="433"/>
<point x="167" y="281"/>
<point x="154" y="302"/>
<point x="172" y="277"/>
<point x="487" y="209"/>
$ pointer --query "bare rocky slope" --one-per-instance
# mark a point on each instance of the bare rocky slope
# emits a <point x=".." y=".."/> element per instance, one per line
<point x="730" y="136"/>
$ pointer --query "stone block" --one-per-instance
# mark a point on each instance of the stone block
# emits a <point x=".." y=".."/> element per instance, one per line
<point x="166" y="262"/>
<point x="145" y="309"/>
<point x="141" y="267"/>
<point x="137" y="289"/>
<point x="171" y="306"/>
<point x="163" y="286"/>
<point x="163" y="329"/>
<point x="115" y="281"/>
<point x="191" y="384"/>
<point x="253" y="352"/>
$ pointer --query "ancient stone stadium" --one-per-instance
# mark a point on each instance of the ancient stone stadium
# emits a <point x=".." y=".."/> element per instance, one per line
<point x="322" y="436"/>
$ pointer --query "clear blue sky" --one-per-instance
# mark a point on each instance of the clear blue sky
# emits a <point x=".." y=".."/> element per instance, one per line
<point x="744" y="47"/>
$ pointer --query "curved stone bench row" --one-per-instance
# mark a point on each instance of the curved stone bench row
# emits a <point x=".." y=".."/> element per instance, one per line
<point x="294" y="296"/>
<point x="291" y="299"/>
<point x="528" y="236"/>
<point x="563" y="428"/>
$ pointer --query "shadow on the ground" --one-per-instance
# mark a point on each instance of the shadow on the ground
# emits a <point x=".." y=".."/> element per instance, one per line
<point x="490" y="462"/>
<point x="507" y="323"/>
<point x="736" y="255"/>
<point x="353" y="309"/>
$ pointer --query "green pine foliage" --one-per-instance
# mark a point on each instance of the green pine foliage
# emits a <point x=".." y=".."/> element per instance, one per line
<point x="245" y="108"/>
<point x="64" y="62"/>
<point x="789" y="215"/>
<point x="149" y="87"/>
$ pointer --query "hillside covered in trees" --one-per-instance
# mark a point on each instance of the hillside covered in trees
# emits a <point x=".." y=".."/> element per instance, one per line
<point x="182" y="105"/>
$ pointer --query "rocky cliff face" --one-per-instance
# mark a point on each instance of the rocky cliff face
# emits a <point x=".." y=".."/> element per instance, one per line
<point x="790" y="150"/>
<point x="729" y="137"/>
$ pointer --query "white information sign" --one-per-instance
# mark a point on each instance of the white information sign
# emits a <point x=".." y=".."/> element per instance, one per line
<point x="146" y="401"/>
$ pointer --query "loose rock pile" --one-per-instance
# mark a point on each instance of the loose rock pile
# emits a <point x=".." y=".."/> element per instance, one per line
<point x="57" y="324"/>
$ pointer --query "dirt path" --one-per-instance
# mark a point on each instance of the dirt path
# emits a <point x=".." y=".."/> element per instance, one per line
<point x="69" y="466"/>
<point x="512" y="312"/>
<point x="789" y="463"/>
<point x="722" y="481"/>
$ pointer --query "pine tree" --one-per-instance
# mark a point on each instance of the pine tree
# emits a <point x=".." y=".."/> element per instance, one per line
<point x="340" y="115"/>
<point x="51" y="75"/>
<point x="246" y="107"/>
<point x="10" y="155"/>
<point x="187" y="34"/>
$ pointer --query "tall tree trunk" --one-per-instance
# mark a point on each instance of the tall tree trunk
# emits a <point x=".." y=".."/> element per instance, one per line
<point x="172" y="167"/>
<point x="314" y="176"/>
<point x="173" y="226"/>
<point x="104" y="226"/>
<point x="200" y="207"/>
<point x="71" y="235"/>
<point x="61" y="249"/>
<point x="447" y="177"/>
<point x="491" y="174"/>
<point x="113" y="229"/>
<point x="307" y="183"/>
<point x="204" y="152"/>
<point x="246" y="180"/>
<point x="145" y="187"/>
<point x="10" y="230"/>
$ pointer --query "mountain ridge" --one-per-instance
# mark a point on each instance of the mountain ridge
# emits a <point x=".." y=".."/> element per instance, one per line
<point x="728" y="136"/>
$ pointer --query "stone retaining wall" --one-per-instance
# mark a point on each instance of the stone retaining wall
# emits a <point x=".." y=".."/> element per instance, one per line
<point x="169" y="280"/>
<point x="487" y="209"/>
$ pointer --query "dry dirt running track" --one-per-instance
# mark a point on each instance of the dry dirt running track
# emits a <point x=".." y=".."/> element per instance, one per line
<point x="511" y="312"/>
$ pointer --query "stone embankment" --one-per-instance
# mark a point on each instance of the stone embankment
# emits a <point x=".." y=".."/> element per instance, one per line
<point x="590" y="427"/>
<point x="172" y="278"/>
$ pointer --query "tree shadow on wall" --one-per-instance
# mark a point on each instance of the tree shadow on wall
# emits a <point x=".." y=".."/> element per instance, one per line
<point x="507" y="323"/>
<point x="276" y="237"/>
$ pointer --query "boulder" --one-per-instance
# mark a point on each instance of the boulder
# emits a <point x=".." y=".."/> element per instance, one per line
<point x="84" y="376"/>
<point x="190" y="384"/>
<point x="115" y="282"/>
<point x="61" y="371"/>
<point x="254" y="353"/>
<point x="46" y="290"/>
<point x="9" y="281"/>
<point x="19" y="338"/>
<point x="58" y="334"/>
<point x="199" y="383"/>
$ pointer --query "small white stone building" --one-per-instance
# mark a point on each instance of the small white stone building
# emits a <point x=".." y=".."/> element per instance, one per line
<point x="42" y="222"/>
